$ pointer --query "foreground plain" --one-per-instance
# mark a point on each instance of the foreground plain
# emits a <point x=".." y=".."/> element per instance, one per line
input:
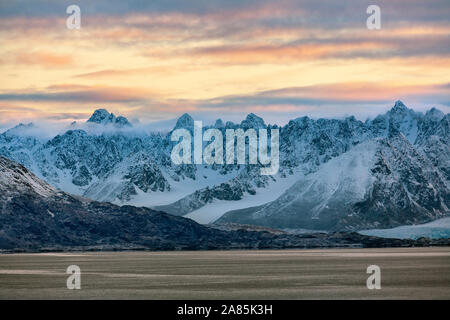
<point x="406" y="273"/>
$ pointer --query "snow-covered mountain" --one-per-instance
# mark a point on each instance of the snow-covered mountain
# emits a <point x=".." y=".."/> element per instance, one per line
<point x="108" y="159"/>
<point x="16" y="180"/>
<point x="380" y="183"/>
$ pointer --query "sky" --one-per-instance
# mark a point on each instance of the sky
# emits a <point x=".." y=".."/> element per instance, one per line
<point x="155" y="60"/>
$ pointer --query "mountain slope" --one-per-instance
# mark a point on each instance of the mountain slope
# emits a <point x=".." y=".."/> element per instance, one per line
<point x="34" y="215"/>
<point x="378" y="184"/>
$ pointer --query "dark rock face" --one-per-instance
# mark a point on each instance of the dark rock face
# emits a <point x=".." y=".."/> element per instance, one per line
<point x="62" y="220"/>
<point x="83" y="177"/>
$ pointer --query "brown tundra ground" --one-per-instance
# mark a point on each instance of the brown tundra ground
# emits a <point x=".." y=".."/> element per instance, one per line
<point x="406" y="273"/>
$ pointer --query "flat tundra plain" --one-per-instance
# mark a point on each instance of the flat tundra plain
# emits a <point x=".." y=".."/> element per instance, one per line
<point x="406" y="273"/>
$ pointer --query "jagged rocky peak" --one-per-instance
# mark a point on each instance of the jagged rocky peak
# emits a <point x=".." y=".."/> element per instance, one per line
<point x="102" y="116"/>
<point x="400" y="110"/>
<point x="21" y="129"/>
<point x="185" y="121"/>
<point x="434" y="114"/>
<point x="402" y="118"/>
<point x="219" y="124"/>
<point x="253" y="121"/>
<point x="399" y="106"/>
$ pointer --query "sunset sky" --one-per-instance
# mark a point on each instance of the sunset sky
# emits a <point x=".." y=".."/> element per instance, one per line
<point x="157" y="59"/>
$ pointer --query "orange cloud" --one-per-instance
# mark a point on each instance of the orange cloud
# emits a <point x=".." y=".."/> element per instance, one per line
<point x="45" y="59"/>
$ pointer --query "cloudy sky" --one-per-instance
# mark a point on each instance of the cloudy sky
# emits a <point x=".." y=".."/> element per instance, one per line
<point x="155" y="60"/>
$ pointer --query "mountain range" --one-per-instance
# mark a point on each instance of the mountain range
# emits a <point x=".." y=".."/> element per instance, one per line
<point x="335" y="174"/>
<point x="35" y="217"/>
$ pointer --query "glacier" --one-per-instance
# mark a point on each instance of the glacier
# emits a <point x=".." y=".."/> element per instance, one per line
<point x="437" y="229"/>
